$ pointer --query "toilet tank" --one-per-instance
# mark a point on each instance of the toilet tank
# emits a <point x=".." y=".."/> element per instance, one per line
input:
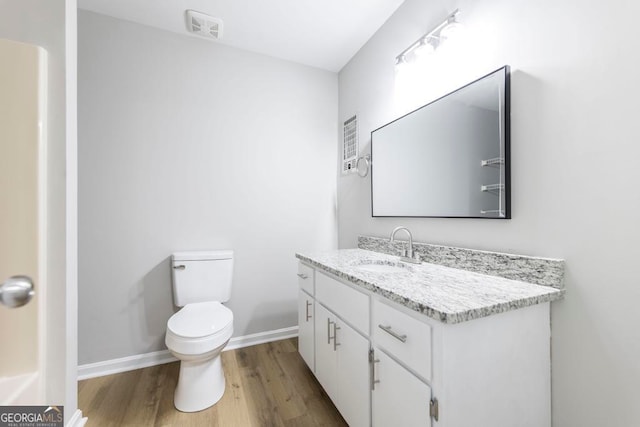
<point x="201" y="276"/>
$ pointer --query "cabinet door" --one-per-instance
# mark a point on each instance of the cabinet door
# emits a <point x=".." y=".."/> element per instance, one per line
<point x="306" y="328"/>
<point x="399" y="398"/>
<point x="353" y="376"/>
<point x="326" y="359"/>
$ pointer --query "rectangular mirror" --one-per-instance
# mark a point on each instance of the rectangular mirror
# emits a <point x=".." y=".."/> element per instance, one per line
<point x="449" y="158"/>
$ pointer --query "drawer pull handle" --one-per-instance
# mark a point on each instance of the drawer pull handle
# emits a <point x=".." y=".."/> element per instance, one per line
<point x="308" y="315"/>
<point x="387" y="329"/>
<point x="372" y="373"/>
<point x="303" y="276"/>
<point x="335" y="336"/>
<point x="329" y="322"/>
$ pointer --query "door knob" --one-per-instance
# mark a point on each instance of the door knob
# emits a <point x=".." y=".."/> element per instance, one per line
<point x="16" y="291"/>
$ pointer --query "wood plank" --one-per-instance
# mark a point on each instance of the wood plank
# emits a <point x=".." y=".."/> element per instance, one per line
<point x="110" y="407"/>
<point x="267" y="385"/>
<point x="232" y="408"/>
<point x="263" y="410"/>
<point x="147" y="393"/>
<point x="288" y="403"/>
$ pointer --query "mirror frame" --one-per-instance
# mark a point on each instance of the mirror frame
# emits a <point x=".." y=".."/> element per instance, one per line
<point x="506" y="118"/>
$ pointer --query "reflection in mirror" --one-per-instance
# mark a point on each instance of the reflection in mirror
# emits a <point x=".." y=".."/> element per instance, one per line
<point x="449" y="158"/>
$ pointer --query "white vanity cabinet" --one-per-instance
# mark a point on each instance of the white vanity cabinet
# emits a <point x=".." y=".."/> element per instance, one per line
<point x="398" y="397"/>
<point x="488" y="372"/>
<point x="306" y="327"/>
<point x="306" y="317"/>
<point x="341" y="366"/>
<point x="384" y="364"/>
<point x="403" y="336"/>
<point x="340" y="352"/>
<point x="398" y="394"/>
<point x="306" y="278"/>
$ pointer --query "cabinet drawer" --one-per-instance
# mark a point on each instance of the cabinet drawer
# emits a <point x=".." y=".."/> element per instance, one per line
<point x="305" y="278"/>
<point x="348" y="303"/>
<point x="402" y="336"/>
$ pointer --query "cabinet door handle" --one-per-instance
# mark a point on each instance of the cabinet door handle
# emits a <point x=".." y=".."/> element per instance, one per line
<point x="308" y="315"/>
<point x="329" y="322"/>
<point x="303" y="276"/>
<point x="387" y="329"/>
<point x="372" y="369"/>
<point x="335" y="336"/>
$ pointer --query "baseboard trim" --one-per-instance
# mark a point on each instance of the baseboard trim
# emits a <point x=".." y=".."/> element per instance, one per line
<point x="261" y="338"/>
<point x="77" y="420"/>
<point x="129" y="363"/>
<point x="123" y="364"/>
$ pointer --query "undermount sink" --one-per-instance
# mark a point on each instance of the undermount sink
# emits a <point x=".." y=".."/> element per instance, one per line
<point x="383" y="267"/>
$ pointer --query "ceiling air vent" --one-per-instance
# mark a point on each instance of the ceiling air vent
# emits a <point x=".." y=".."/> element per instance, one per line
<point x="204" y="25"/>
<point x="350" y="145"/>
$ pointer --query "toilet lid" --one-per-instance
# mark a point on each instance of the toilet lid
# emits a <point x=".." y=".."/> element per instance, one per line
<point x="200" y="319"/>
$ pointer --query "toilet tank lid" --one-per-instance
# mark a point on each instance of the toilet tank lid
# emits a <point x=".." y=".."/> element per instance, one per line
<point x="202" y="255"/>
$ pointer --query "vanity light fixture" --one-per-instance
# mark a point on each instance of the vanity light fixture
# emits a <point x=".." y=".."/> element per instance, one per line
<point x="426" y="46"/>
<point x="449" y="30"/>
<point x="402" y="65"/>
<point x="429" y="42"/>
<point x="401" y="62"/>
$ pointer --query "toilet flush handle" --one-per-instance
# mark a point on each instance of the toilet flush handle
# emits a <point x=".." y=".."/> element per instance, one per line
<point x="179" y="267"/>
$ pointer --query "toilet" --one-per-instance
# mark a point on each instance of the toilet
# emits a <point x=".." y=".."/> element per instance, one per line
<point x="198" y="332"/>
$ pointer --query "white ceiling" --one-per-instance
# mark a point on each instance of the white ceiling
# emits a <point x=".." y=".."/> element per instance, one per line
<point x="320" y="33"/>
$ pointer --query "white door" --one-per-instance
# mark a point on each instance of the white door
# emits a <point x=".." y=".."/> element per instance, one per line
<point x="22" y="234"/>
<point x="399" y="398"/>
<point x="353" y="376"/>
<point x="326" y="360"/>
<point x="306" y="321"/>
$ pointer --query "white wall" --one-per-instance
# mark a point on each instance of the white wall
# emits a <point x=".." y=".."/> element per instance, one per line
<point x="185" y="144"/>
<point x="44" y="23"/>
<point x="575" y="133"/>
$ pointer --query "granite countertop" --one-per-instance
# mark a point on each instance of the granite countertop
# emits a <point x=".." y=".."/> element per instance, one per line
<point x="447" y="294"/>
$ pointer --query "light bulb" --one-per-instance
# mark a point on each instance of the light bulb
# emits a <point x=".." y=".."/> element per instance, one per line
<point x="401" y="63"/>
<point x="451" y="30"/>
<point x="425" y="48"/>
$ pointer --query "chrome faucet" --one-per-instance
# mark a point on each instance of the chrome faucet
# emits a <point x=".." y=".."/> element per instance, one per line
<point x="406" y="255"/>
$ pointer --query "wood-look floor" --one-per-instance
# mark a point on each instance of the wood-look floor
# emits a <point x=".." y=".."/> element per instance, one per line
<point x="267" y="385"/>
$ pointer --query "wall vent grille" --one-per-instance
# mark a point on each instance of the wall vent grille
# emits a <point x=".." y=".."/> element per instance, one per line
<point x="350" y="145"/>
<point x="204" y="25"/>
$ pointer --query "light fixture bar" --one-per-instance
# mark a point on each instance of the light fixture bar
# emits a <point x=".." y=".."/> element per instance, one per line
<point x="430" y="35"/>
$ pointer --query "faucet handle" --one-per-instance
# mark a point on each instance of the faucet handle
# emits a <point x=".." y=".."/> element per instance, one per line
<point x="403" y="252"/>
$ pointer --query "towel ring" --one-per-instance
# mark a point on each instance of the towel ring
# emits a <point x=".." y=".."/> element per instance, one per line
<point x="363" y="171"/>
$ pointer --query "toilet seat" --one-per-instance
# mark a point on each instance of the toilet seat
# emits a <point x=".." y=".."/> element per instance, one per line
<point x="198" y="320"/>
<point x="199" y="328"/>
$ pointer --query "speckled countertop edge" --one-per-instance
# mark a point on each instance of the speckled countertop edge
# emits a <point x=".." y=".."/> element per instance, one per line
<point x="530" y="269"/>
<point x="442" y="293"/>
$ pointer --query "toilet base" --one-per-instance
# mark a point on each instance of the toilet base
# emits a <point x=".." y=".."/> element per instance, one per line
<point x="200" y="384"/>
